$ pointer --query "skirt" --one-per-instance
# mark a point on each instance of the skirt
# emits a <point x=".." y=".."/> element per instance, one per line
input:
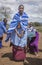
<point x="18" y="53"/>
<point x="33" y="45"/>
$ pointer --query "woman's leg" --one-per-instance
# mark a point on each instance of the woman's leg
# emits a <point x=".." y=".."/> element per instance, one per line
<point x="25" y="50"/>
<point x="28" y="43"/>
<point x="1" y="42"/>
<point x="36" y="51"/>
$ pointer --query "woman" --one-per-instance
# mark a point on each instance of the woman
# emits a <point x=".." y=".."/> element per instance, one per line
<point x="33" y="36"/>
<point x="2" y="30"/>
<point x="18" y="31"/>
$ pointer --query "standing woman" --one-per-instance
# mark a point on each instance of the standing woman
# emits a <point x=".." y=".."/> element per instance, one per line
<point x="19" y="37"/>
<point x="2" y="30"/>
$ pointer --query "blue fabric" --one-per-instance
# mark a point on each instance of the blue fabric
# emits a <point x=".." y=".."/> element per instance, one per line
<point x="23" y="20"/>
<point x="31" y="31"/>
<point x="19" y="41"/>
<point x="2" y="28"/>
<point x="16" y="19"/>
<point x="7" y="38"/>
<point x="31" y="34"/>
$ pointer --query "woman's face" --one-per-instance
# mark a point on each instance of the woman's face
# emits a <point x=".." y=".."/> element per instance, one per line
<point x="30" y="24"/>
<point x="21" y="9"/>
<point x="5" y="20"/>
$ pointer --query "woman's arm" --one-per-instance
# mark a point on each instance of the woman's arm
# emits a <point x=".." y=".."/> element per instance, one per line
<point x="4" y="28"/>
<point x="19" y="35"/>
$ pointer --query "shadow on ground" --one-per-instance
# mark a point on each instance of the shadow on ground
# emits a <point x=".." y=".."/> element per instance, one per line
<point x="9" y="55"/>
<point x="31" y="61"/>
<point x="40" y="50"/>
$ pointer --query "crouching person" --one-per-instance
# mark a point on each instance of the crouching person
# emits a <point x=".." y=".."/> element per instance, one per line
<point x="33" y="36"/>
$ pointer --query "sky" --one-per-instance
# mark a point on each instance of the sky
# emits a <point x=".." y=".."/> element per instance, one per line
<point x="32" y="7"/>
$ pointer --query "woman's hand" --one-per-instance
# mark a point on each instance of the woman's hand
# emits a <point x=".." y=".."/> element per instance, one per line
<point x="19" y="35"/>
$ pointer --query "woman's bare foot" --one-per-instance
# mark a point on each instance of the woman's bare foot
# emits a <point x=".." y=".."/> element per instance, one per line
<point x="36" y="54"/>
<point x="25" y="61"/>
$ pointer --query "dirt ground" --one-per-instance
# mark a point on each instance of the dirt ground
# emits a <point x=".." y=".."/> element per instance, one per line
<point x="6" y="55"/>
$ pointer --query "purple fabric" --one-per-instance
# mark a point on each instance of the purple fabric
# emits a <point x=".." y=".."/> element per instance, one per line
<point x="34" y="45"/>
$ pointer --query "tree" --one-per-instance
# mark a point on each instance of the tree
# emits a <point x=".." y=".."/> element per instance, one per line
<point x="5" y="11"/>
